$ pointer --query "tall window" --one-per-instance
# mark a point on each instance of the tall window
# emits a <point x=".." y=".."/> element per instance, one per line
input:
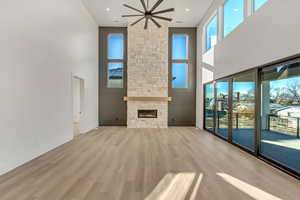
<point x="115" y="46"/>
<point x="233" y="15"/>
<point x="115" y="56"/>
<point x="180" y="47"/>
<point x="259" y="3"/>
<point x="211" y="33"/>
<point x="115" y="75"/>
<point x="180" y="56"/>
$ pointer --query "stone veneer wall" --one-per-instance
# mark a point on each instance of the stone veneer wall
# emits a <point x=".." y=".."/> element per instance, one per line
<point x="147" y="73"/>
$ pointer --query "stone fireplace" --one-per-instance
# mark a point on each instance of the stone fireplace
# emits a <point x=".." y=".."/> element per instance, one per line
<point x="147" y="75"/>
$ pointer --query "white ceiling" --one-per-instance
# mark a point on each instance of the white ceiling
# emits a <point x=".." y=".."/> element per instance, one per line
<point x="181" y="18"/>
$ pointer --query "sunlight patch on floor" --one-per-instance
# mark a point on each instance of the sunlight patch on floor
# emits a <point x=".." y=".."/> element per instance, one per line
<point x="175" y="187"/>
<point x="196" y="188"/>
<point x="252" y="191"/>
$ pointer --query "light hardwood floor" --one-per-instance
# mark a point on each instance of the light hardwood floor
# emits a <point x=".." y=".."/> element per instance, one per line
<point x="152" y="164"/>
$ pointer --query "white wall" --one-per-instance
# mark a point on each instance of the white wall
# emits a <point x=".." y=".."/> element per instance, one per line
<point x="42" y="43"/>
<point x="271" y="33"/>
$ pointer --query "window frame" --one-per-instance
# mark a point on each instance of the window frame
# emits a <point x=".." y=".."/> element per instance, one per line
<point x="245" y="13"/>
<point x="205" y="29"/>
<point x="182" y="61"/>
<point x="249" y="10"/>
<point x="109" y="60"/>
<point x="187" y="47"/>
<point x="107" y="47"/>
<point x="204" y="36"/>
<point x="253" y="5"/>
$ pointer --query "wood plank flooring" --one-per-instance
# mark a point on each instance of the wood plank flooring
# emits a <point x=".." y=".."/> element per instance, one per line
<point x="153" y="164"/>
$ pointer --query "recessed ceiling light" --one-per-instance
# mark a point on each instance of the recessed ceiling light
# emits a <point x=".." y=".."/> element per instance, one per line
<point x="187" y="10"/>
<point x="107" y="9"/>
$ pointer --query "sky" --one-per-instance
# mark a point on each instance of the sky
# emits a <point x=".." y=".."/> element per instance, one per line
<point x="180" y="52"/>
<point x="115" y="46"/>
<point x="284" y="82"/>
<point x="222" y="87"/>
<point x="233" y="15"/>
<point x="259" y="3"/>
<point x="244" y="87"/>
<point x="180" y="47"/>
<point x="180" y="71"/>
<point x="211" y="33"/>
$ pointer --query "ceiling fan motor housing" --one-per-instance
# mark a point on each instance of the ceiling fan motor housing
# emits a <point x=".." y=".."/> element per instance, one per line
<point x="149" y="14"/>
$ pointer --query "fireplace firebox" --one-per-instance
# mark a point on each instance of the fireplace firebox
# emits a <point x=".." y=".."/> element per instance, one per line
<point x="147" y="113"/>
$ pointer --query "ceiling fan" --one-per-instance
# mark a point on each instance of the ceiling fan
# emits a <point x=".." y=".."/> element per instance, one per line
<point x="149" y="14"/>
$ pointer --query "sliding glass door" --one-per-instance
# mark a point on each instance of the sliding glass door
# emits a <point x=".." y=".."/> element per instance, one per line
<point x="243" y="110"/>
<point x="233" y="116"/>
<point x="222" y="108"/>
<point x="280" y="114"/>
<point x="259" y="110"/>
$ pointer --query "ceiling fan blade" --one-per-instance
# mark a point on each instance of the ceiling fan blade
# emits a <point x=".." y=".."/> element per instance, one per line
<point x="146" y="23"/>
<point x="144" y="5"/>
<point x="137" y="21"/>
<point x="164" y="11"/>
<point x="163" y="18"/>
<point x="128" y="6"/>
<point x="156" y="5"/>
<point x="132" y="15"/>
<point x="155" y="22"/>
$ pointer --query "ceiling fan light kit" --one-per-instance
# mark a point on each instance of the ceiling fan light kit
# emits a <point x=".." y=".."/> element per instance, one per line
<point x="149" y="14"/>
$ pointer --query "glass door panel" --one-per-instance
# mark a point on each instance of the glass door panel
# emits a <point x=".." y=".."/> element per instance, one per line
<point x="209" y="107"/>
<point x="222" y="111"/>
<point x="243" y="113"/>
<point x="280" y="114"/>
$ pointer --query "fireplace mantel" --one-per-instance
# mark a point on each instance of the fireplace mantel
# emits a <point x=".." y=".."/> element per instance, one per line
<point x="159" y="99"/>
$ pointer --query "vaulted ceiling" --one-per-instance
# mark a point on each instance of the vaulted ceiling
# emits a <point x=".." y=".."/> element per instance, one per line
<point x="188" y="13"/>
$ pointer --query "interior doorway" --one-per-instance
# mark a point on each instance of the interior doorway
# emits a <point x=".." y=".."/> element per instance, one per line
<point x="78" y="102"/>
